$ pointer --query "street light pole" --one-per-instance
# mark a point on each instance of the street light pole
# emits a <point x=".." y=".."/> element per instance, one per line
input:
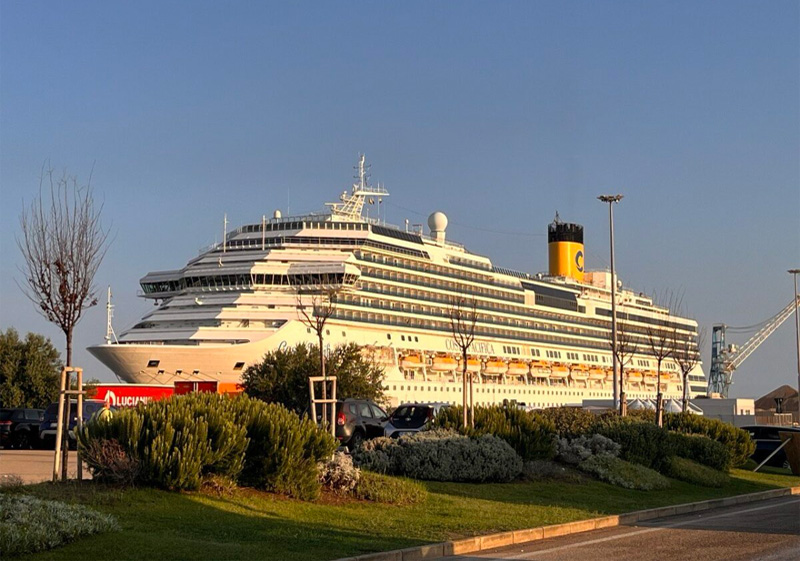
<point x="794" y="272"/>
<point x="611" y="199"/>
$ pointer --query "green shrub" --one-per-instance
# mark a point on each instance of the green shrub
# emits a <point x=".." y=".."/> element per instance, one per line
<point x="700" y="449"/>
<point x="531" y="435"/>
<point x="392" y="490"/>
<point x="284" y="450"/>
<point x="110" y="462"/>
<point x="441" y="455"/>
<point x="738" y="441"/>
<point x="178" y="441"/>
<point x="692" y="472"/>
<point x="623" y="474"/>
<point x="28" y="525"/>
<point x="641" y="443"/>
<point x="578" y="449"/>
<point x="569" y="422"/>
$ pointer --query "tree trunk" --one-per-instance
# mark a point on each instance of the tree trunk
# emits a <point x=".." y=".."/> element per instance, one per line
<point x="659" y="398"/>
<point x="464" y="384"/>
<point x="67" y="412"/>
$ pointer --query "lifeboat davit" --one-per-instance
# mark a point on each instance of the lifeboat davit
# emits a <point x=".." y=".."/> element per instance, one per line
<point x="411" y="361"/>
<point x="495" y="368"/>
<point x="444" y="364"/>
<point x="517" y="368"/>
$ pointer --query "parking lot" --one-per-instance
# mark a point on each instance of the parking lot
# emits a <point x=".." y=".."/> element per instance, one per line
<point x="34" y="466"/>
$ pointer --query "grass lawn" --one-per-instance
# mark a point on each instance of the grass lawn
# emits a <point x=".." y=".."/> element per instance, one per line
<point x="253" y="525"/>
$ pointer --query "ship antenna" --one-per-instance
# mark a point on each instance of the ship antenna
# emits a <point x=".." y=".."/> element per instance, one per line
<point x="110" y="314"/>
<point x="224" y="232"/>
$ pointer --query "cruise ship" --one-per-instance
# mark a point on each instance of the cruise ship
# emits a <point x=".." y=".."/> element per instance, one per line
<point x="541" y="340"/>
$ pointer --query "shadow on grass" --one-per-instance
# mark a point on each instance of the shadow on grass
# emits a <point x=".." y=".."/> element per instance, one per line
<point x="167" y="526"/>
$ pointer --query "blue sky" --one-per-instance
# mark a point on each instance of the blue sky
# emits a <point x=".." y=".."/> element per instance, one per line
<point x="497" y="113"/>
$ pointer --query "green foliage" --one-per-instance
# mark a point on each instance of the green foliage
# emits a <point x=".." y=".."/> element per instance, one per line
<point x="110" y="462"/>
<point x="284" y="450"/>
<point x="29" y="370"/>
<point x="641" y="443"/>
<point x="28" y="525"/>
<point x="282" y="376"/>
<point x="692" y="472"/>
<point x="700" y="449"/>
<point x="545" y="470"/>
<point x="738" y="441"/>
<point x="392" y="490"/>
<point x="441" y="455"/>
<point x="178" y="441"/>
<point x="569" y="422"/>
<point x="623" y="474"/>
<point x="529" y="434"/>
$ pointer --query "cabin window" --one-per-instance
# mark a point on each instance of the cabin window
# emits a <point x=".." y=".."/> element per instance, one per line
<point x="153" y="363"/>
<point x="238" y="366"/>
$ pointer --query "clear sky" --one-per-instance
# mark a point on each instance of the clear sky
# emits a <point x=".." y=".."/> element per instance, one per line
<point x="497" y="113"/>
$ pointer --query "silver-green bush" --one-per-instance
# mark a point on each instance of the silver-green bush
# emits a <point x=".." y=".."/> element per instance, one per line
<point x="28" y="525"/>
<point x="338" y="474"/>
<point x="441" y="455"/>
<point x="576" y="450"/>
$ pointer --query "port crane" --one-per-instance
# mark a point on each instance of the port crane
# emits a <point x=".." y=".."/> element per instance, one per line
<point x="726" y="359"/>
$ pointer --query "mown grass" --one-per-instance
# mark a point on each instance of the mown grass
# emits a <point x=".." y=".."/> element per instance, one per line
<point x="254" y="525"/>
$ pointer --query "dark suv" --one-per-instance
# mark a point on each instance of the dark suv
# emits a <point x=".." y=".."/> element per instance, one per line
<point x="48" y="428"/>
<point x="767" y="439"/>
<point x="412" y="417"/>
<point x="19" y="428"/>
<point x="357" y="420"/>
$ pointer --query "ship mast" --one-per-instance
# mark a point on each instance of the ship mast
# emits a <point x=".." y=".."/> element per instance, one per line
<point x="110" y="314"/>
<point x="352" y="203"/>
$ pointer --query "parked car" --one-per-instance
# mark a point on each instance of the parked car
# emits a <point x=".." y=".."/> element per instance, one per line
<point x="48" y="428"/>
<point x="409" y="418"/>
<point x="19" y="427"/>
<point x="357" y="420"/>
<point x="767" y="441"/>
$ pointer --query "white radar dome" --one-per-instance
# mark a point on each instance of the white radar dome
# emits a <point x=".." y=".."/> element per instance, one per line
<point x="437" y="222"/>
<point x="276" y="214"/>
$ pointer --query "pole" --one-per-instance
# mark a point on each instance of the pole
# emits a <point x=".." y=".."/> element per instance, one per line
<point x="614" y="365"/>
<point x="59" y="426"/>
<point x="79" y="424"/>
<point x="797" y="330"/>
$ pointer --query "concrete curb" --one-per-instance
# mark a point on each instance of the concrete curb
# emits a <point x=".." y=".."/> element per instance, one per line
<point x="490" y="541"/>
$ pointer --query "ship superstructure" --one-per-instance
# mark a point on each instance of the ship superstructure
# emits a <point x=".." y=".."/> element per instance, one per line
<point x="540" y="339"/>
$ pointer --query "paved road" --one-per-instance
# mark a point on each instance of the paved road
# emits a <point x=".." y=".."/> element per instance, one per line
<point x="34" y="466"/>
<point x="765" y="530"/>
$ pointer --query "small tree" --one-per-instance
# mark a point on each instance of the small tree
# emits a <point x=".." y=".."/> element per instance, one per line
<point x="687" y="355"/>
<point x="282" y="376"/>
<point x="463" y="317"/>
<point x="315" y="306"/>
<point x="661" y="344"/>
<point x="62" y="243"/>
<point x="29" y="370"/>
<point x="626" y="348"/>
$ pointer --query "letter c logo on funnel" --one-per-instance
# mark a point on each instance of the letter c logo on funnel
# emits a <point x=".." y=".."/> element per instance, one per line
<point x="579" y="260"/>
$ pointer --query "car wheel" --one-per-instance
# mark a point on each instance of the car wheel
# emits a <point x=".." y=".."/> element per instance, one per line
<point x="356" y="441"/>
<point x="22" y="442"/>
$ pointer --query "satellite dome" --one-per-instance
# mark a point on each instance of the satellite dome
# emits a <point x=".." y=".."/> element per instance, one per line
<point x="437" y="221"/>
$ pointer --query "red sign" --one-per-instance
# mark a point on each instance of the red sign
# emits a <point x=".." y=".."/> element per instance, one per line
<point x="184" y="387"/>
<point x="130" y="395"/>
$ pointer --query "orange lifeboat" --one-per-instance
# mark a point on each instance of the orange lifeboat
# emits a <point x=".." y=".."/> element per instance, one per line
<point x="559" y="372"/>
<point x="650" y="378"/>
<point x="473" y="365"/>
<point x="495" y="368"/>
<point x="633" y="377"/>
<point x="411" y="361"/>
<point x="540" y="369"/>
<point x="444" y="364"/>
<point x="518" y="368"/>
<point x="597" y="375"/>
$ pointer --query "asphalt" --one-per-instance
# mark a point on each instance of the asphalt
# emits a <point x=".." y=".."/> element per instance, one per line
<point x="764" y="530"/>
<point x="34" y="466"/>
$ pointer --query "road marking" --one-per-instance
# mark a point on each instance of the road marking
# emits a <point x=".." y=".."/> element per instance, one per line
<point x="646" y="531"/>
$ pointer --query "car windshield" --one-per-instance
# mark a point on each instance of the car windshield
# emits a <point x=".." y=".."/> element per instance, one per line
<point x="5" y="414"/>
<point x="411" y="412"/>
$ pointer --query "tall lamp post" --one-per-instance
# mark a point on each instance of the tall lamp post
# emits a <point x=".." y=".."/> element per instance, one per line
<point x="611" y="199"/>
<point x="794" y="272"/>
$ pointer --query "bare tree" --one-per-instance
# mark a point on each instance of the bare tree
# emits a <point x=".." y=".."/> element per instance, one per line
<point x="687" y="355"/>
<point x="62" y="243"/>
<point x="626" y="348"/>
<point x="315" y="306"/>
<point x="463" y="317"/>
<point x="661" y="345"/>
